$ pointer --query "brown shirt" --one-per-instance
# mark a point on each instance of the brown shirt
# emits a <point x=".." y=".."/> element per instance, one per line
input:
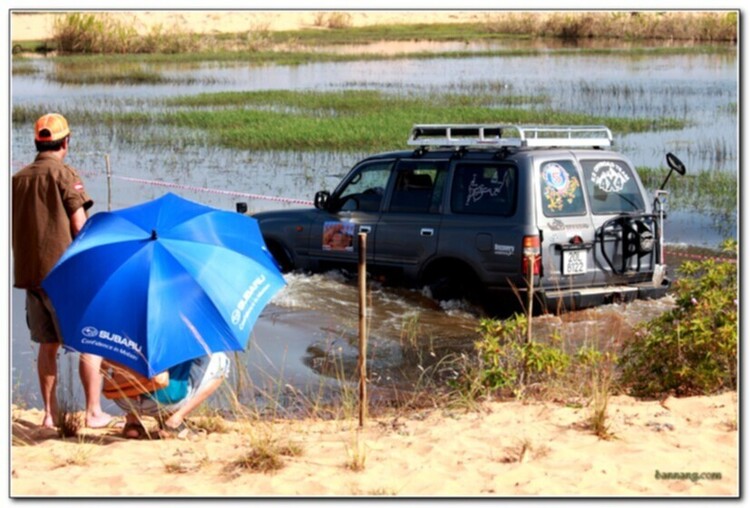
<point x="45" y="195"/>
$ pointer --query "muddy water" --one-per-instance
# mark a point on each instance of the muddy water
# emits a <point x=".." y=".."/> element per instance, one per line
<point x="305" y="341"/>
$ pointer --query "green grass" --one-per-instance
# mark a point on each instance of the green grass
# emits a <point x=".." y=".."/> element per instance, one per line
<point x="350" y="120"/>
<point x="133" y="77"/>
<point x="357" y="119"/>
<point x="702" y="191"/>
<point x="300" y="57"/>
<point x="23" y="69"/>
<point x="368" y="34"/>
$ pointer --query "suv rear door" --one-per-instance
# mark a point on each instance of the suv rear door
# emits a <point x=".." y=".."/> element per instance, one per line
<point x="568" y="233"/>
<point x="616" y="199"/>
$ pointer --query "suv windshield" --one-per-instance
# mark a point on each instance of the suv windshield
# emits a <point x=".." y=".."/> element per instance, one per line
<point x="484" y="188"/>
<point x="611" y="187"/>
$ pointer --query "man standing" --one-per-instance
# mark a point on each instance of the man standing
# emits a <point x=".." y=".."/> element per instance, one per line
<point x="49" y="209"/>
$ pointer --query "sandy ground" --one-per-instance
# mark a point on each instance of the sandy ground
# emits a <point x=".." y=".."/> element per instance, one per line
<point x="39" y="25"/>
<point x="506" y="449"/>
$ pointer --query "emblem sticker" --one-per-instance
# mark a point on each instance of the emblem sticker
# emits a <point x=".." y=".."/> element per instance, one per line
<point x="556" y="177"/>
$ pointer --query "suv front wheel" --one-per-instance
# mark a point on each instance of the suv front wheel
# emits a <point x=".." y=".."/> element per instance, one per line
<point x="281" y="255"/>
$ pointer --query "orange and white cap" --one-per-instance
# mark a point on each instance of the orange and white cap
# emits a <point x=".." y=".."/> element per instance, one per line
<point x="51" y="127"/>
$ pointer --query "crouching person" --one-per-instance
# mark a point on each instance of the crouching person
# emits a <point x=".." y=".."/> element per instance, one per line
<point x="190" y="384"/>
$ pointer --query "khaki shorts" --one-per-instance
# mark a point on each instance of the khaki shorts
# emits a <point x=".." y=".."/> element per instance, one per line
<point x="41" y="318"/>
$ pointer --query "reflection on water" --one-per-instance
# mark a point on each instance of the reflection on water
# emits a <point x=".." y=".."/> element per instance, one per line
<point x="312" y="324"/>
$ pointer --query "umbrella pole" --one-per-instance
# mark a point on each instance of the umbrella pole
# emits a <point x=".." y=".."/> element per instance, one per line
<point x="362" y="328"/>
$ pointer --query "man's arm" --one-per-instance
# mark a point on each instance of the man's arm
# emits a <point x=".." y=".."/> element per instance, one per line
<point x="77" y="220"/>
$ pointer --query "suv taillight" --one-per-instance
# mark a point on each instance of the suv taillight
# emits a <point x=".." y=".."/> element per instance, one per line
<point x="532" y="248"/>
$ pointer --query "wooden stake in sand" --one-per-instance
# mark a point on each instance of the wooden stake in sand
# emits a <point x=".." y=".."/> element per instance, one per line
<point x="362" y="364"/>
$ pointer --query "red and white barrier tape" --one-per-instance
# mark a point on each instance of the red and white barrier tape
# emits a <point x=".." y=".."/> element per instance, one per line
<point x="193" y="188"/>
<point x="214" y="191"/>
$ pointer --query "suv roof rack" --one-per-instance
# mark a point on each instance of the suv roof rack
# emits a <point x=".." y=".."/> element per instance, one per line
<point x="491" y="135"/>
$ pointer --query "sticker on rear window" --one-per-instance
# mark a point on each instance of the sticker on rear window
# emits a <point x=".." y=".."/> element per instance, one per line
<point x="609" y="176"/>
<point x="560" y="186"/>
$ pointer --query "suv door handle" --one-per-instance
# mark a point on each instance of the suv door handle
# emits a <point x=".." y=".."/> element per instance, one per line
<point x="426" y="232"/>
<point x="365" y="229"/>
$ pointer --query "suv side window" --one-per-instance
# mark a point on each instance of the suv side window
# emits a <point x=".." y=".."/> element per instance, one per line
<point x="418" y="187"/>
<point x="484" y="188"/>
<point x="364" y="190"/>
<point x="561" y="189"/>
<point x="611" y="187"/>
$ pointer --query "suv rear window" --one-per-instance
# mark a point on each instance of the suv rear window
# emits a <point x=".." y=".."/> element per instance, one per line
<point x="611" y="187"/>
<point x="484" y="188"/>
<point x="561" y="189"/>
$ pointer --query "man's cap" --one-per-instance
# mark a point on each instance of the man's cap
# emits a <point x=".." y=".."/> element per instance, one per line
<point x="51" y="127"/>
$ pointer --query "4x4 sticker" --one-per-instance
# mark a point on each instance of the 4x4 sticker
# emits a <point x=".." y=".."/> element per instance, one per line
<point x="559" y="186"/>
<point x="609" y="176"/>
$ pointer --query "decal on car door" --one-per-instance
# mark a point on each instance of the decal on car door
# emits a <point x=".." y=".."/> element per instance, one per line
<point x="338" y="236"/>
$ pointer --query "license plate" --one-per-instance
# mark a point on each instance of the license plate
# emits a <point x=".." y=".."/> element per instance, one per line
<point x="574" y="262"/>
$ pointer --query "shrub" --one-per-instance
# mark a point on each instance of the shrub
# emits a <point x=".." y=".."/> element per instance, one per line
<point x="691" y="349"/>
<point x="104" y="33"/>
<point x="507" y="360"/>
<point x="333" y="20"/>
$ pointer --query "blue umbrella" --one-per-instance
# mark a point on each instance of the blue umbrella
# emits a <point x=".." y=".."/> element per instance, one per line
<point x="163" y="282"/>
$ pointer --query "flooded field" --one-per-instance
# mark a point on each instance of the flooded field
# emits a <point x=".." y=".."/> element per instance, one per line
<point x="314" y="320"/>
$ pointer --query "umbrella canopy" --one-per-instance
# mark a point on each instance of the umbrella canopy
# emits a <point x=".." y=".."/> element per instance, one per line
<point x="163" y="282"/>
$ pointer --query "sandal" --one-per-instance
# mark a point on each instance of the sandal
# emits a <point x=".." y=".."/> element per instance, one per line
<point x="182" y="431"/>
<point x="134" y="431"/>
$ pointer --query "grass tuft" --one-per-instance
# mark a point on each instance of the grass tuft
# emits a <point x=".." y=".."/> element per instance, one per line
<point x="265" y="456"/>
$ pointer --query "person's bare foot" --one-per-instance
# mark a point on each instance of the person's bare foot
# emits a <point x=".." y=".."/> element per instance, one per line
<point x="100" y="421"/>
<point x="48" y="422"/>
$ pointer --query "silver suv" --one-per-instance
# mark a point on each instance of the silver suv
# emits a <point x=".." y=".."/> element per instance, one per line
<point x="487" y="212"/>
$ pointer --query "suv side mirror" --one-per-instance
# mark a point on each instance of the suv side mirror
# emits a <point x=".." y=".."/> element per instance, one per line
<point x="321" y="199"/>
<point x="675" y="164"/>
